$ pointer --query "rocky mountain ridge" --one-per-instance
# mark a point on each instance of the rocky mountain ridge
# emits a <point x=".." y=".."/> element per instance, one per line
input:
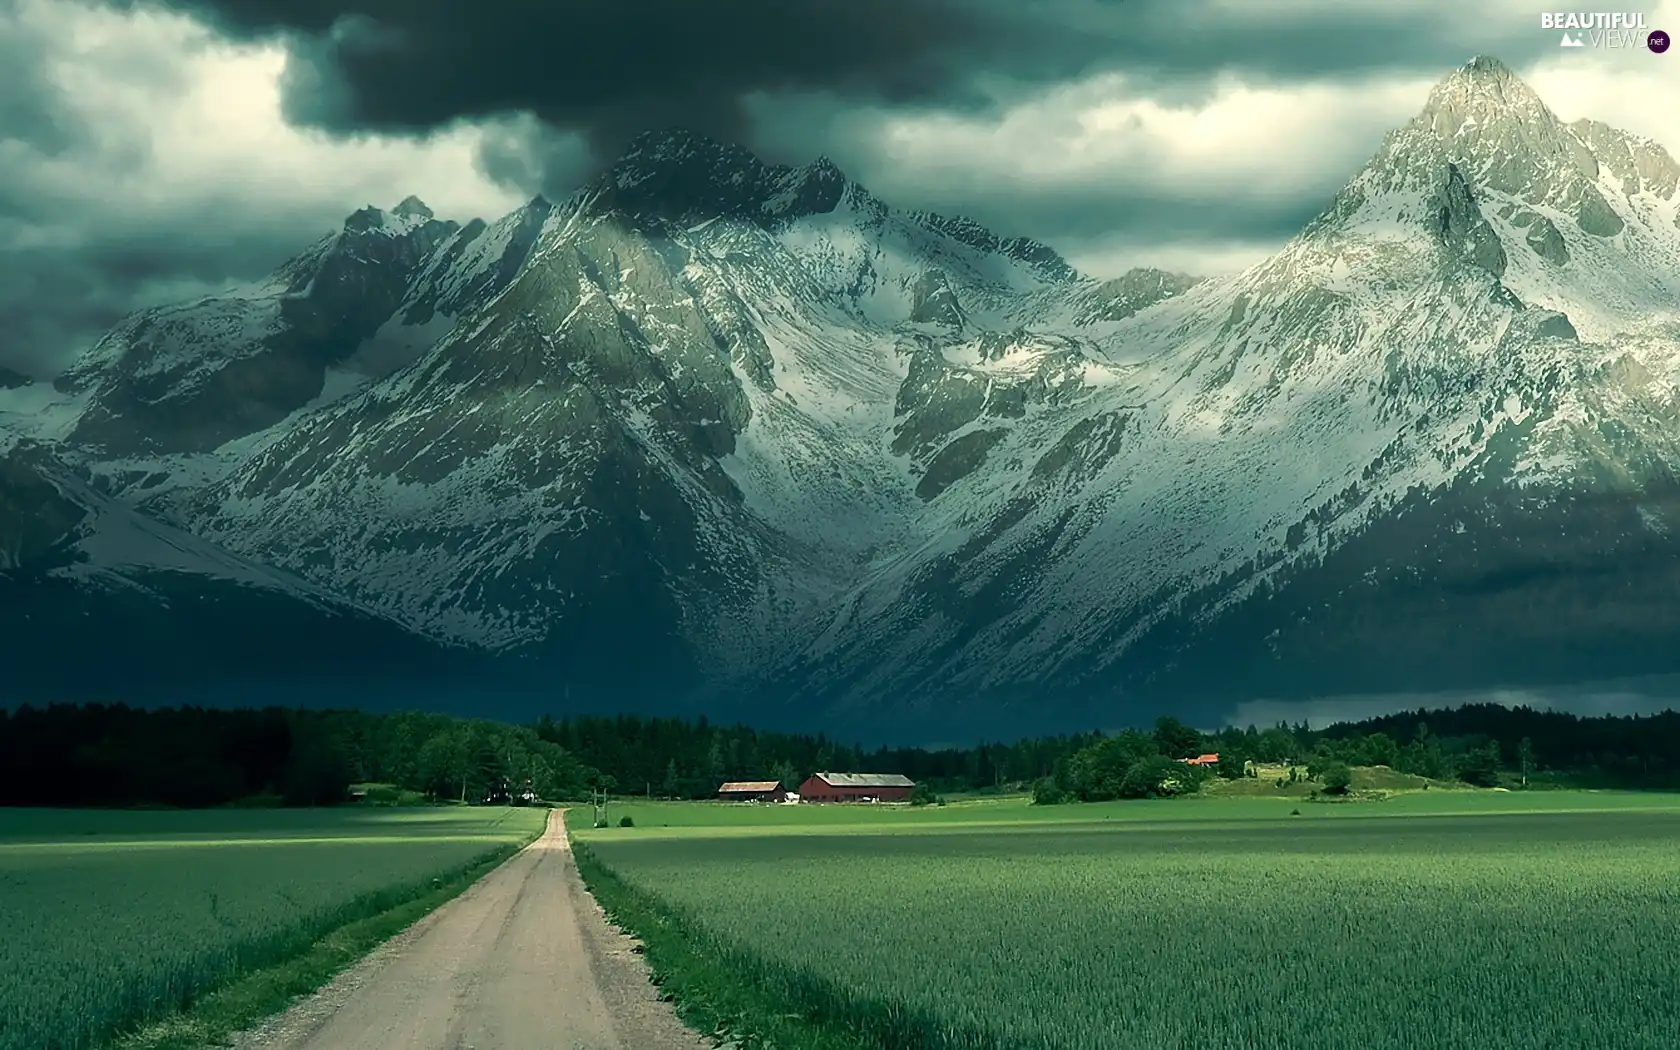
<point x="720" y="433"/>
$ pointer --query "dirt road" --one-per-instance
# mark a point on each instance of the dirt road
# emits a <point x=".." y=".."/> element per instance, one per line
<point x="523" y="960"/>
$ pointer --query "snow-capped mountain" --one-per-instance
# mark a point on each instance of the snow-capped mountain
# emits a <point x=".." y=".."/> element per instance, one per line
<point x="356" y="305"/>
<point x="746" y="435"/>
<point x="1404" y="380"/>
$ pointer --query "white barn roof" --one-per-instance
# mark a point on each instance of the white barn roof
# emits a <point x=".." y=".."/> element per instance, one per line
<point x="739" y="786"/>
<point x="866" y="780"/>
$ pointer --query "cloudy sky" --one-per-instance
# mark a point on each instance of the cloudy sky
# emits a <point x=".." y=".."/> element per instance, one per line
<point x="151" y="152"/>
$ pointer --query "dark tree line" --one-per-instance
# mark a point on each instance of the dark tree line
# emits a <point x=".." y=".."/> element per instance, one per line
<point x="1478" y="742"/>
<point x="1484" y="744"/>
<point x="98" y="755"/>
<point x="118" y="756"/>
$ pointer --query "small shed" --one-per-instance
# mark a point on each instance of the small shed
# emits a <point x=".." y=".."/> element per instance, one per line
<point x="856" y="787"/>
<point x="752" y="791"/>
<point x="1202" y="760"/>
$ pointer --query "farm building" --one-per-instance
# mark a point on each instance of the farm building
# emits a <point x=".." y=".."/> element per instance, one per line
<point x="856" y="787"/>
<point x="752" y="791"/>
<point x="1202" y="760"/>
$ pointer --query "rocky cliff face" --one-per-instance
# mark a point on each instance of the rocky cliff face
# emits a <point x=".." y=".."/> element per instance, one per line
<point x="1412" y="398"/>
<point x="746" y="435"/>
<point x="193" y="377"/>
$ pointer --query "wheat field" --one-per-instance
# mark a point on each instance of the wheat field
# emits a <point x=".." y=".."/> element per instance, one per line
<point x="114" y="918"/>
<point x="1477" y="931"/>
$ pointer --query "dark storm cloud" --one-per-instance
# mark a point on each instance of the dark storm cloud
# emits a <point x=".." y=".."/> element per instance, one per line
<point x="48" y="293"/>
<point x="534" y="157"/>
<point x="127" y="179"/>
<point x="67" y="272"/>
<point x="32" y="107"/>
<point x="600" y="71"/>
<point x="611" y="68"/>
<point x="58" y="299"/>
<point x="84" y="237"/>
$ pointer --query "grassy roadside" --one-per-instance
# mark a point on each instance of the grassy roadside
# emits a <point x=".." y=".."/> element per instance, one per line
<point x="250" y="997"/>
<point x="737" y="999"/>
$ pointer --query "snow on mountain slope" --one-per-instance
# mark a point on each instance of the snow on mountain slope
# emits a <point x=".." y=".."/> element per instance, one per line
<point x="55" y="523"/>
<point x="745" y="429"/>
<point x="1257" y="422"/>
<point x="545" y="466"/>
<point x="850" y="248"/>
<point x="683" y="396"/>
<point x="356" y="305"/>
<point x="35" y="411"/>
<point x="1586" y="216"/>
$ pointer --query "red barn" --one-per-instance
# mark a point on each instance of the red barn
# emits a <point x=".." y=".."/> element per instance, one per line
<point x="752" y="791"/>
<point x="856" y="787"/>
<point x="1202" y="760"/>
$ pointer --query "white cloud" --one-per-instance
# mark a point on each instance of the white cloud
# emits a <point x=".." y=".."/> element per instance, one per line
<point x="145" y="161"/>
<point x="1129" y="169"/>
<point x="1259" y="141"/>
<point x="181" y="117"/>
<point x="1631" y="89"/>
<point x="1121" y="177"/>
<point x="1110" y="256"/>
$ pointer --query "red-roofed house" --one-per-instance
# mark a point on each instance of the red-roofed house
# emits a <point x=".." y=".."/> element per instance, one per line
<point x="856" y="787"/>
<point x="1202" y="760"/>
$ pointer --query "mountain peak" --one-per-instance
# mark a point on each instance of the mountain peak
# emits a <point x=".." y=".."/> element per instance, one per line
<point x="1496" y="129"/>
<point x="412" y="207"/>
<point x="1482" y="68"/>
<point x="1480" y="91"/>
<point x="678" y="149"/>
<point x="407" y="217"/>
<point x="681" y="175"/>
<point x="364" y="219"/>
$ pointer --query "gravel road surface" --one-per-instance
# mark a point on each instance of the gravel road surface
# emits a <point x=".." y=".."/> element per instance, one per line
<point x="523" y="960"/>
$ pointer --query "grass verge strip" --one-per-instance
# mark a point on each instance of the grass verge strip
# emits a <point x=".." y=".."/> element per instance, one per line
<point x="732" y="994"/>
<point x="213" y="1018"/>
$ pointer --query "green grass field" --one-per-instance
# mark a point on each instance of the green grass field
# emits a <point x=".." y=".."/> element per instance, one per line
<point x="112" y="918"/>
<point x="1430" y="921"/>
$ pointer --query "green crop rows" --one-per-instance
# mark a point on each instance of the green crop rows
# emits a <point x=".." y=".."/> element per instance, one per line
<point x="111" y="918"/>
<point x="1484" y="932"/>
